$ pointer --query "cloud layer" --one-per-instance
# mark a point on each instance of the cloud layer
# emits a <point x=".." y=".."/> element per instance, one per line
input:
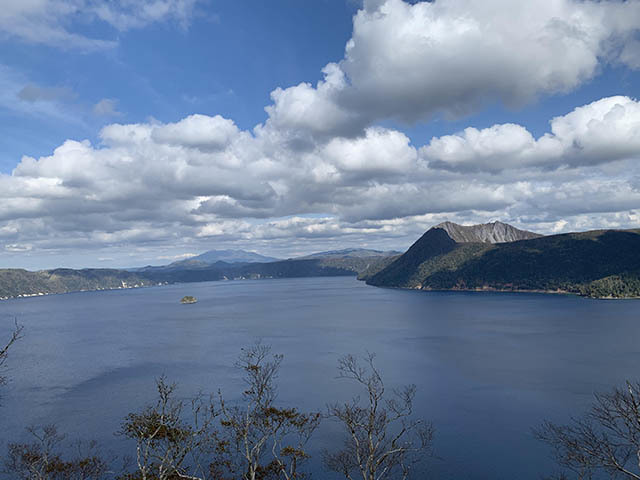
<point x="48" y="22"/>
<point x="322" y="170"/>
<point x="203" y="178"/>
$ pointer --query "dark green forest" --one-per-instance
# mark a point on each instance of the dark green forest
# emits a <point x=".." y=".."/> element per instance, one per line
<point x="600" y="264"/>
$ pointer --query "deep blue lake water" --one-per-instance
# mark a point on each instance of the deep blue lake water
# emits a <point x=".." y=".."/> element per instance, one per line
<point x="488" y="366"/>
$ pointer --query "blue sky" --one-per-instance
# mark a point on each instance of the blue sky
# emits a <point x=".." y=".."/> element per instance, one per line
<point x="227" y="61"/>
<point x="143" y="132"/>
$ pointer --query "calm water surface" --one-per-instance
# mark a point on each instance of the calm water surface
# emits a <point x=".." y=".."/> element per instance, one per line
<point x="488" y="366"/>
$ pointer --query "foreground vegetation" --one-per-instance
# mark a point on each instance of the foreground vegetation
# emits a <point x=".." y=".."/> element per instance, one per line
<point x="4" y="349"/>
<point x="254" y="439"/>
<point x="258" y="439"/>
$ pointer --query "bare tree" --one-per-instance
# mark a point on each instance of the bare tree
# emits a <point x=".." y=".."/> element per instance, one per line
<point x="605" y="440"/>
<point x="262" y="441"/>
<point x="169" y="447"/>
<point x="42" y="459"/>
<point x="4" y="351"/>
<point x="382" y="439"/>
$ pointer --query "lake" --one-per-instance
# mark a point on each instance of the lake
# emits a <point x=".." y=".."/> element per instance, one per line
<point x="488" y="366"/>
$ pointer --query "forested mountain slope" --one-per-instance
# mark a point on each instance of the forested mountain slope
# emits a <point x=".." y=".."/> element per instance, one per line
<point x="602" y="263"/>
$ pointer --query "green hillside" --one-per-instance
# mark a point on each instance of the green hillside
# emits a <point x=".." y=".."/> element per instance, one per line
<point x="292" y="268"/>
<point x="16" y="282"/>
<point x="603" y="263"/>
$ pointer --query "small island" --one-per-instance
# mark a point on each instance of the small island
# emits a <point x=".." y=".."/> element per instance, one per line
<point x="188" y="299"/>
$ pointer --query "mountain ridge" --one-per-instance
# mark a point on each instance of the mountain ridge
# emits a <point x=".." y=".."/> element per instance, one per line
<point x="349" y="262"/>
<point x="493" y="232"/>
<point x="597" y="263"/>
<point x="229" y="256"/>
<point x="351" y="253"/>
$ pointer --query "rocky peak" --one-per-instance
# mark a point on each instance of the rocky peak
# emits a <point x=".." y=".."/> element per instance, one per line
<point x="494" y="232"/>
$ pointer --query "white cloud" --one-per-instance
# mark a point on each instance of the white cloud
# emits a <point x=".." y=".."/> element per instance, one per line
<point x="128" y="14"/>
<point x="379" y="152"/>
<point x="198" y="131"/>
<point x="413" y="61"/>
<point x="18" y="248"/>
<point x="48" y="21"/>
<point x="320" y="170"/>
<point x="317" y="110"/>
<point x="181" y="256"/>
<point x="202" y="179"/>
<point x="604" y="131"/>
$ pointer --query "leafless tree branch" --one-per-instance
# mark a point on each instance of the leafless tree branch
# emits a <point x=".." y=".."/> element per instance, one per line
<point x="382" y="439"/>
<point x="606" y="439"/>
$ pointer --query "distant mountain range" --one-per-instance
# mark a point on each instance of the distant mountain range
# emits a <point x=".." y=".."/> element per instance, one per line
<point x="496" y="256"/>
<point x="491" y="256"/>
<point x="212" y="265"/>
<point x="353" y="253"/>
<point x="229" y="256"/>
<point x="331" y="263"/>
<point x="209" y="258"/>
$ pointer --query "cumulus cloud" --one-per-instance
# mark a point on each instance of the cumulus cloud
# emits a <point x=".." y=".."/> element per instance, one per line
<point x="380" y="152"/>
<point x="47" y="21"/>
<point x="198" y="131"/>
<point x="322" y="171"/>
<point x="410" y="61"/>
<point x="604" y="131"/>
<point x="316" y="110"/>
<point x="202" y="179"/>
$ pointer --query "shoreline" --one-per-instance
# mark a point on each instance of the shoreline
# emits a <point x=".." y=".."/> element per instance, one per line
<point x="485" y="289"/>
<point x="46" y="294"/>
<point x="507" y="290"/>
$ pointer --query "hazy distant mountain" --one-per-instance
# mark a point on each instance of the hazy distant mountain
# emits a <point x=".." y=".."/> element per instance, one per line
<point x="238" y="264"/>
<point x="603" y="263"/>
<point x="352" y="253"/>
<point x="228" y="256"/>
<point x="334" y="263"/>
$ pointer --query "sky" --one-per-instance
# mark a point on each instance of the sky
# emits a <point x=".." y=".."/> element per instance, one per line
<point x="140" y="132"/>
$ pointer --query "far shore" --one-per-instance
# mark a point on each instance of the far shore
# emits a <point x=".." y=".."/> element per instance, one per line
<point x="485" y="289"/>
<point x="509" y="290"/>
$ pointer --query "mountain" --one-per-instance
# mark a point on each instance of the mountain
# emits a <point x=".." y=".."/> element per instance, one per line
<point x="352" y="253"/>
<point x="335" y="263"/>
<point x="601" y="263"/>
<point x="228" y="256"/>
<point x="17" y="282"/>
<point x="495" y="232"/>
<point x="206" y="261"/>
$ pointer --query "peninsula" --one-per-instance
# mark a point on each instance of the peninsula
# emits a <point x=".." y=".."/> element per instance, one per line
<point x="499" y="257"/>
